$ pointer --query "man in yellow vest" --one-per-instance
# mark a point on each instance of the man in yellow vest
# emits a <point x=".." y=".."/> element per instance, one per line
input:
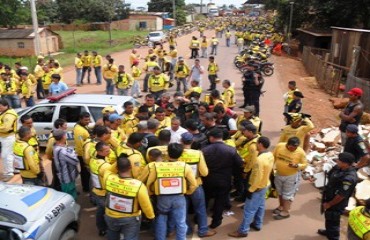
<point x="249" y="153"/>
<point x="78" y="68"/>
<point x="359" y="223"/>
<point x="97" y="64"/>
<point x="27" y="89"/>
<point x="129" y="121"/>
<point x="149" y="70"/>
<point x="86" y="66"/>
<point x="228" y="38"/>
<point x="214" y="45"/>
<point x="115" y="122"/>
<point x="9" y="90"/>
<point x="158" y="82"/>
<point x="123" y="81"/>
<point x="98" y="166"/>
<point x="164" y="121"/>
<point x="228" y="94"/>
<point x="26" y="158"/>
<point x="254" y="208"/>
<point x="195" y="159"/>
<point x="126" y="197"/>
<point x="81" y="132"/>
<point x="8" y="128"/>
<point x="212" y="73"/>
<point x="38" y="72"/>
<point x="194" y="47"/>
<point x="181" y="71"/>
<point x="110" y="71"/>
<point x="170" y="181"/>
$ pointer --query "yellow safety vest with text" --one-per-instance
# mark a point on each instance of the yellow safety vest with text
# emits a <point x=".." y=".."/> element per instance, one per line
<point x="95" y="165"/>
<point x="359" y="223"/>
<point x="122" y="193"/>
<point x="192" y="158"/>
<point x="18" y="151"/>
<point x="170" y="178"/>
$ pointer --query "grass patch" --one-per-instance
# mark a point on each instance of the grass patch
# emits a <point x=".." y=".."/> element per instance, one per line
<point x="79" y="41"/>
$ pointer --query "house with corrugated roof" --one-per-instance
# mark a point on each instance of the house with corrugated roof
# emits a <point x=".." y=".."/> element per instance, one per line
<point x="21" y="42"/>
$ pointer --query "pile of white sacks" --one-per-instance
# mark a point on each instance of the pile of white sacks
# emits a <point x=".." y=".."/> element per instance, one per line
<point x="325" y="147"/>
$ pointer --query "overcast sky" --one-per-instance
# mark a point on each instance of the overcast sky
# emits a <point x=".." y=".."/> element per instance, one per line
<point x="143" y="3"/>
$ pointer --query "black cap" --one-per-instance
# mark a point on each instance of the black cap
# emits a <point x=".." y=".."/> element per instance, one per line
<point x="352" y="128"/>
<point x="346" y="157"/>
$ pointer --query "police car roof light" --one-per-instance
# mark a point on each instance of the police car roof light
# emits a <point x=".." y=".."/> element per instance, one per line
<point x="57" y="97"/>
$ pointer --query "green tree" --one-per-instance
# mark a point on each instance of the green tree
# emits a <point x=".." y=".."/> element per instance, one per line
<point x="47" y="11"/>
<point x="164" y="5"/>
<point x="180" y="17"/>
<point x="14" y="12"/>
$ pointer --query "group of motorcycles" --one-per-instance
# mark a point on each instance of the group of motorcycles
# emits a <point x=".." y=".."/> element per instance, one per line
<point x="256" y="53"/>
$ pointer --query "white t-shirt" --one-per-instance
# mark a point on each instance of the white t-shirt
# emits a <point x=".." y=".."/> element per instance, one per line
<point x="176" y="136"/>
<point x="196" y="75"/>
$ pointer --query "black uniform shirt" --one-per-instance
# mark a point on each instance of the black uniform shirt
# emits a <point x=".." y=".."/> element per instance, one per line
<point x="356" y="146"/>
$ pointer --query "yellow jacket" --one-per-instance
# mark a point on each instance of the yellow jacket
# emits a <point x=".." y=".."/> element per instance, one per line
<point x="260" y="175"/>
<point x="110" y="71"/>
<point x="46" y="80"/>
<point x="27" y="88"/>
<point x="10" y="87"/>
<point x="119" y="135"/>
<point x="283" y="157"/>
<point x="131" y="205"/>
<point x="229" y="97"/>
<point x="98" y="166"/>
<point x="193" y="89"/>
<point x="78" y="63"/>
<point x="212" y="68"/>
<point x="86" y="60"/>
<point x="135" y="72"/>
<point x="129" y="123"/>
<point x="149" y="65"/>
<point x="162" y="148"/>
<point x="123" y="80"/>
<point x="158" y="82"/>
<point x="181" y="179"/>
<point x="166" y="122"/>
<point x="249" y="153"/>
<point x="300" y="132"/>
<point x="97" y="61"/>
<point x="194" y="44"/>
<point x="195" y="159"/>
<point x="39" y="72"/>
<point x="80" y="134"/>
<point x="181" y="71"/>
<point x="136" y="159"/>
<point x="26" y="159"/>
<point x="8" y="123"/>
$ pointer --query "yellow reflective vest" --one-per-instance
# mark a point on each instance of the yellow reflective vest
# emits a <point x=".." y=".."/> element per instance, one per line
<point x="359" y="223"/>
<point x="170" y="178"/>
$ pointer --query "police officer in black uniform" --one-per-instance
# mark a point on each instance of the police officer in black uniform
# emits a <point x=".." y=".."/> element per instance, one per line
<point x="355" y="144"/>
<point x="295" y="106"/>
<point x="252" y="84"/>
<point x="342" y="180"/>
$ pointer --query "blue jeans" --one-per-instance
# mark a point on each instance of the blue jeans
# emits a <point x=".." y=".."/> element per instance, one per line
<point x="109" y="89"/>
<point x="78" y="76"/>
<point x="214" y="50"/>
<point x="13" y="100"/>
<point x="128" y="226"/>
<point x="254" y="211"/>
<point x="135" y="90"/>
<point x="173" y="207"/>
<point x="199" y="205"/>
<point x="122" y="92"/>
<point x="184" y="83"/>
<point x="97" y="71"/>
<point x="228" y="42"/>
<point x="100" y="204"/>
<point x="29" y="102"/>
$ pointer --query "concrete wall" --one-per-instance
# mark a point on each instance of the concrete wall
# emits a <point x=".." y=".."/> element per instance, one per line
<point x="9" y="47"/>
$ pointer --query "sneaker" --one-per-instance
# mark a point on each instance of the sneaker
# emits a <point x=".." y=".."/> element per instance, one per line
<point x="214" y="225"/>
<point x="255" y="228"/>
<point x="322" y="232"/>
<point x="280" y="217"/>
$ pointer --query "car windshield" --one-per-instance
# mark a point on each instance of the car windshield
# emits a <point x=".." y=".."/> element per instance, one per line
<point x="11" y="217"/>
<point x="154" y="34"/>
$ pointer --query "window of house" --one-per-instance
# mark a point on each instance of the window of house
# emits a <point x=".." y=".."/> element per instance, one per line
<point x="142" y="25"/>
<point x="20" y="44"/>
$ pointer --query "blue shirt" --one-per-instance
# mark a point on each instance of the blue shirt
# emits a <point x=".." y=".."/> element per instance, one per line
<point x="57" y="88"/>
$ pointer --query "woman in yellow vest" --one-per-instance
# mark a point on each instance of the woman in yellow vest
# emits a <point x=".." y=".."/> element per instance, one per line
<point x="110" y="71"/>
<point x="359" y="223"/>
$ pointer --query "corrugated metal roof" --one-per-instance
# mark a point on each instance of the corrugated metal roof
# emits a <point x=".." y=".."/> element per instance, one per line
<point x="352" y="29"/>
<point x="16" y="33"/>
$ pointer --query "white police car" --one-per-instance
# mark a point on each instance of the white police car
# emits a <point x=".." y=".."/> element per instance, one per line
<point x="40" y="213"/>
<point x="69" y="106"/>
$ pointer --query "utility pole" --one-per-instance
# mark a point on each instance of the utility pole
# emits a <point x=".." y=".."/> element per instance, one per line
<point x="35" y="26"/>
<point x="174" y="11"/>
<point x="201" y="6"/>
<point x="290" y="24"/>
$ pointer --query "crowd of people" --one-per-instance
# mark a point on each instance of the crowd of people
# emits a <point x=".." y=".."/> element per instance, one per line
<point x="176" y="152"/>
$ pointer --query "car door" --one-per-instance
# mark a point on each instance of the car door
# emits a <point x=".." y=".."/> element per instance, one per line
<point x="42" y="117"/>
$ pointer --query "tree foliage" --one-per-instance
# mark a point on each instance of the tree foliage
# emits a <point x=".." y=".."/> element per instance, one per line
<point x="322" y="14"/>
<point x="14" y="12"/>
<point x="167" y="6"/>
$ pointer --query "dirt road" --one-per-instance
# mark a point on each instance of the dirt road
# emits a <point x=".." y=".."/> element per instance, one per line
<point x="305" y="218"/>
